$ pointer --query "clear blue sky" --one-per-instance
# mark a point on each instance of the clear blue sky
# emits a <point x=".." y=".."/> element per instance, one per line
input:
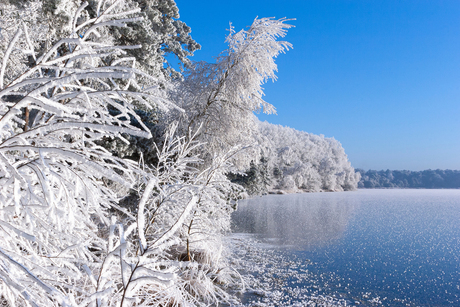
<point x="382" y="77"/>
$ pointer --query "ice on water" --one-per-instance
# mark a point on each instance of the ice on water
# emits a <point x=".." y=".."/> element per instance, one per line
<point x="366" y="248"/>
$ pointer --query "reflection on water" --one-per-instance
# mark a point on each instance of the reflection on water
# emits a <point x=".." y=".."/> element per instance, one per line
<point x="295" y="220"/>
<point x="378" y="247"/>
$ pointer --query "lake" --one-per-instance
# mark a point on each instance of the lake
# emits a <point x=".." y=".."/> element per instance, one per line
<point x="362" y="248"/>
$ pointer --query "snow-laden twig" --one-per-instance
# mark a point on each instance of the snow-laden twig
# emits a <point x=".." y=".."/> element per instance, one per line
<point x="7" y="55"/>
<point x="59" y="185"/>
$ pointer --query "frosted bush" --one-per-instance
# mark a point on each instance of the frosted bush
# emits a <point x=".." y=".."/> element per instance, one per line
<point x="66" y="240"/>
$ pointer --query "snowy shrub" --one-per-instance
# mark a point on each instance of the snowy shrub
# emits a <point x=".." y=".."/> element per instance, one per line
<point x="66" y="241"/>
<point x="167" y="251"/>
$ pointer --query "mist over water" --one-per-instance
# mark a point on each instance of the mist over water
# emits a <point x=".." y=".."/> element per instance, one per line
<point x="297" y="221"/>
<point x="369" y="247"/>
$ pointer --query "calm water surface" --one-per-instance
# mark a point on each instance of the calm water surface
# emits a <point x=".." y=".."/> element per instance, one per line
<point x="369" y="247"/>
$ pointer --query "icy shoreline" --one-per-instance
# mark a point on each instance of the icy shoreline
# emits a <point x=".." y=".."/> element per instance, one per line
<point x="273" y="278"/>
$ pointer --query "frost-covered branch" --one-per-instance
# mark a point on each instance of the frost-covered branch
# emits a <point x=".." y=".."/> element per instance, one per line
<point x="224" y="95"/>
<point x="58" y="186"/>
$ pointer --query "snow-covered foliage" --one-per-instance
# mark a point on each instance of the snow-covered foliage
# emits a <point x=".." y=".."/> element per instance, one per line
<point x="427" y="179"/>
<point x="222" y="96"/>
<point x="169" y="252"/>
<point x="66" y="241"/>
<point x="188" y="211"/>
<point x="299" y="160"/>
<point x="159" y="33"/>
<point x="85" y="221"/>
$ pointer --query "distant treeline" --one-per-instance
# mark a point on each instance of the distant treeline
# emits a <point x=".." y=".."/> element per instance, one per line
<point x="428" y="179"/>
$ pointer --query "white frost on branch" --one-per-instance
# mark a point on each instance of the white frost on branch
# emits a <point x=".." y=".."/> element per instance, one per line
<point x="222" y="96"/>
<point x="57" y="182"/>
<point x="68" y="239"/>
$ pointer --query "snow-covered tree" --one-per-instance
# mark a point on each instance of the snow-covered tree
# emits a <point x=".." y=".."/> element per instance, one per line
<point x="161" y="34"/>
<point x="427" y="179"/>
<point x="53" y="194"/>
<point x="300" y="160"/>
<point x="256" y="180"/>
<point x="221" y="97"/>
<point x="158" y="34"/>
<point x="66" y="240"/>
